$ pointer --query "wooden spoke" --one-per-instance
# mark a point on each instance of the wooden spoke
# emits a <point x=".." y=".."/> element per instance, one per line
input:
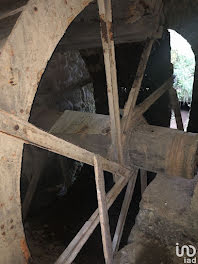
<point x="105" y="13"/>
<point x="83" y="235"/>
<point x="86" y="130"/>
<point x="144" y="106"/>
<point x="103" y="211"/>
<point x="143" y="180"/>
<point x="124" y="211"/>
<point x="131" y="102"/>
<point x="176" y="108"/>
<point x="29" y="134"/>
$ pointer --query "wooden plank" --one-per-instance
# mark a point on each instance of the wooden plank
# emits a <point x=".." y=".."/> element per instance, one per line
<point x="143" y="180"/>
<point x="103" y="211"/>
<point x="176" y="108"/>
<point x="29" y="134"/>
<point x="105" y="13"/>
<point x="144" y="106"/>
<point x="124" y="211"/>
<point x="83" y="235"/>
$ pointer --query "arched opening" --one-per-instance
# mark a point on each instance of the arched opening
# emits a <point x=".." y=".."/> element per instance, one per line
<point x="183" y="61"/>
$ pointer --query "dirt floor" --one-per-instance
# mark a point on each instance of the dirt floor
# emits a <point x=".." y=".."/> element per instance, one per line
<point x="49" y="232"/>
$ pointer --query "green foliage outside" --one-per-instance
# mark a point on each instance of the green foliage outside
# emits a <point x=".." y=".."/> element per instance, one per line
<point x="184" y="67"/>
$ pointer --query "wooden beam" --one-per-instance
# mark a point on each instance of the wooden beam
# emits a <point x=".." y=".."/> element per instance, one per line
<point x="103" y="211"/>
<point x="105" y="13"/>
<point x="126" y="122"/>
<point x="29" y="134"/>
<point x="131" y="102"/>
<point x="176" y="108"/>
<point x="12" y="13"/>
<point x="85" y="232"/>
<point x="144" y="106"/>
<point x="124" y="211"/>
<point x="87" y="130"/>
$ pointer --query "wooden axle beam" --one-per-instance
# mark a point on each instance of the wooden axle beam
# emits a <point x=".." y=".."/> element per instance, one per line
<point x="150" y="138"/>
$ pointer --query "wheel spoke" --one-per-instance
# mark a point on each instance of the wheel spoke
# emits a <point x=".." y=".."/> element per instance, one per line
<point x="105" y="12"/>
<point x="124" y="211"/>
<point x="103" y="211"/>
<point x="29" y="134"/>
<point x="144" y="106"/>
<point x="85" y="232"/>
<point x="130" y="104"/>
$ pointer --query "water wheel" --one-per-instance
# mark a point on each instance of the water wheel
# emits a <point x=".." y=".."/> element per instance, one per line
<point x="109" y="143"/>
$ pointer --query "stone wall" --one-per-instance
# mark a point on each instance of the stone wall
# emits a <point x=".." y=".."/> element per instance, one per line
<point x="168" y="215"/>
<point x="65" y="85"/>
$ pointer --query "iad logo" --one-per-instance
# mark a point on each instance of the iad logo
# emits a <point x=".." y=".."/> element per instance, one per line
<point x="188" y="251"/>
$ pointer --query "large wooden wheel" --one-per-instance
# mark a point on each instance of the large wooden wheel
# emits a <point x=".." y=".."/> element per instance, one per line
<point x="22" y="62"/>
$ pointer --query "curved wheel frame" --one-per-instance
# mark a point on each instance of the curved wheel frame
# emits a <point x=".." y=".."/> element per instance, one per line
<point x="23" y="59"/>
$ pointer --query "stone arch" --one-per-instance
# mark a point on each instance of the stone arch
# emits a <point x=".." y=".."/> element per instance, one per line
<point x="23" y="59"/>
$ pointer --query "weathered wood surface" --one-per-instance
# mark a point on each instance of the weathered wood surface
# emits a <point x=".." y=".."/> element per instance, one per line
<point x="124" y="210"/>
<point x="176" y="108"/>
<point x="87" y="130"/>
<point x="85" y="232"/>
<point x="135" y="21"/>
<point x="25" y="132"/>
<point x="23" y="58"/>
<point x="140" y="109"/>
<point x="75" y="122"/>
<point x="103" y="211"/>
<point x="131" y="102"/>
<point x="163" y="150"/>
<point x="105" y="14"/>
<point x="142" y="143"/>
